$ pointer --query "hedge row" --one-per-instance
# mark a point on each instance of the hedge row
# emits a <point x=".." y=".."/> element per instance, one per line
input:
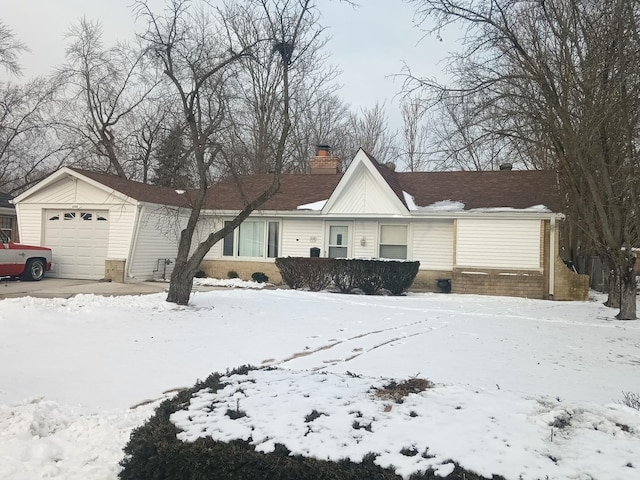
<point x="155" y="453"/>
<point x="348" y="275"/>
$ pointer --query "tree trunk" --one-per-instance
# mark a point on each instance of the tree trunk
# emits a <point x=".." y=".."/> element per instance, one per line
<point x="628" y="292"/>
<point x="613" y="290"/>
<point x="180" y="285"/>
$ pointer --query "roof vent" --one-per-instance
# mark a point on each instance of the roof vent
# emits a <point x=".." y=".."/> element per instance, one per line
<point x="506" y="166"/>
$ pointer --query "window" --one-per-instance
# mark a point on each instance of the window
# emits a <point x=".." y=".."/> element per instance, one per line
<point x="338" y="241"/>
<point x="227" y="244"/>
<point x="253" y="238"/>
<point x="393" y="241"/>
<point x="69" y="215"/>
<point x="272" y="239"/>
<point x="87" y="216"/>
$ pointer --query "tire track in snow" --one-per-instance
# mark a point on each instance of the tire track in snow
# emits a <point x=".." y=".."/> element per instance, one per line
<point x="343" y="351"/>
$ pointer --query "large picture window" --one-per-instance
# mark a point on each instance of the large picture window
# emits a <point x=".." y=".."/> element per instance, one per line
<point x="393" y="242"/>
<point x="253" y="238"/>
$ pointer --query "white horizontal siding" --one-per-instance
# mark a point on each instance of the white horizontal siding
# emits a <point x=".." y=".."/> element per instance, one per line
<point x="299" y="236"/>
<point x="121" y="221"/>
<point x="208" y="225"/>
<point x="495" y="243"/>
<point x="71" y="191"/>
<point x="367" y="233"/>
<point x="432" y="244"/>
<point x="157" y="240"/>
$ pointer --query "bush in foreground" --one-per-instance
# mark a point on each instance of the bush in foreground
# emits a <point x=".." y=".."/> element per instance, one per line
<point x="155" y="453"/>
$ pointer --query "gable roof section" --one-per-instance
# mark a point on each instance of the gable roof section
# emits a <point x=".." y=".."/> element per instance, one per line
<point x="367" y="187"/>
<point x="516" y="189"/>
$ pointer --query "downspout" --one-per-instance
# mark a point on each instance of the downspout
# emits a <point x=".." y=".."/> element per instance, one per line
<point x="552" y="257"/>
<point x="134" y="241"/>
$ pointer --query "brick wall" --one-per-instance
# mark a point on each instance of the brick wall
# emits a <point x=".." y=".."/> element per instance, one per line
<point x="324" y="165"/>
<point x="570" y="285"/>
<point x="114" y="270"/>
<point x="427" y="280"/>
<point x="221" y="268"/>
<point x="510" y="283"/>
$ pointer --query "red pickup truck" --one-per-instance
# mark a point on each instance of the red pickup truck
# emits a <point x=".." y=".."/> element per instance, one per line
<point x="25" y="261"/>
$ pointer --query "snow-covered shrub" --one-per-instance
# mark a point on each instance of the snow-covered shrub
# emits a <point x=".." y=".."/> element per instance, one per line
<point x="154" y="452"/>
<point x="631" y="399"/>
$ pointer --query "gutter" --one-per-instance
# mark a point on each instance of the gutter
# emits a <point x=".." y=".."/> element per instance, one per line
<point x="134" y="241"/>
<point x="552" y="257"/>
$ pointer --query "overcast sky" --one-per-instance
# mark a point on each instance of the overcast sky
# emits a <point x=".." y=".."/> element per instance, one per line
<point x="369" y="43"/>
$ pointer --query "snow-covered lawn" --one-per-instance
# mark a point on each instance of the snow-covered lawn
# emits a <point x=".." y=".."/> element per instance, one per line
<point x="523" y="388"/>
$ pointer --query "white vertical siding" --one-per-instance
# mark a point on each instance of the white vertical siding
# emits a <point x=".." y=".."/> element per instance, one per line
<point x="494" y="243"/>
<point x="432" y="244"/>
<point x="299" y="236"/>
<point x="369" y="232"/>
<point x="364" y="195"/>
<point x="30" y="223"/>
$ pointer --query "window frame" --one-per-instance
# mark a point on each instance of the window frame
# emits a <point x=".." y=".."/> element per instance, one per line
<point x="405" y="245"/>
<point x="270" y="245"/>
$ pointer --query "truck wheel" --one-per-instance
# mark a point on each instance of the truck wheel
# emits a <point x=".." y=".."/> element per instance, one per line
<point x="34" y="270"/>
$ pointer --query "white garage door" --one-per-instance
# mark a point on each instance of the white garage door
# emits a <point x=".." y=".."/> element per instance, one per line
<point x="79" y="240"/>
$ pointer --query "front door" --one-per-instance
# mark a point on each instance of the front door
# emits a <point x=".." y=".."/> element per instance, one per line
<point x="339" y="240"/>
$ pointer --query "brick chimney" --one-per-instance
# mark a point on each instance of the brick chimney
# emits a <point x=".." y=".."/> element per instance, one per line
<point x="323" y="162"/>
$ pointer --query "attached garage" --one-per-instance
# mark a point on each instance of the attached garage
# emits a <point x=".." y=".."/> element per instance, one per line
<point x="79" y="240"/>
<point x="101" y="226"/>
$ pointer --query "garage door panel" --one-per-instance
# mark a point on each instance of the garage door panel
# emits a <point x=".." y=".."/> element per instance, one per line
<point x="79" y="241"/>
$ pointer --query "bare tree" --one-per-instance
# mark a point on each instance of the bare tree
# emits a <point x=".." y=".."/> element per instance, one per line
<point x="30" y="143"/>
<point x="10" y="49"/>
<point x="560" y="79"/>
<point x="30" y="146"/>
<point x="198" y="50"/>
<point x="370" y="130"/>
<point x="413" y="135"/>
<point x="107" y="86"/>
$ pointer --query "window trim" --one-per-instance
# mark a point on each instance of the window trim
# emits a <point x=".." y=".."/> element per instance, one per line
<point x="231" y="241"/>
<point x="405" y="245"/>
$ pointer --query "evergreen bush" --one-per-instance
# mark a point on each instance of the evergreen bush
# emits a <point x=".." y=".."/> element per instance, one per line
<point x="311" y="273"/>
<point x="348" y="275"/>
<point x="259" y="277"/>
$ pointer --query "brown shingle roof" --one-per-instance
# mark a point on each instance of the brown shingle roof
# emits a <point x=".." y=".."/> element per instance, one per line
<point x="490" y="189"/>
<point x="507" y="188"/>
<point x="295" y="190"/>
<point x="143" y="192"/>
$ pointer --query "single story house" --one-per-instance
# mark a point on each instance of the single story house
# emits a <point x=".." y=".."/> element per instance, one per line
<point x="8" y="216"/>
<point x="493" y="232"/>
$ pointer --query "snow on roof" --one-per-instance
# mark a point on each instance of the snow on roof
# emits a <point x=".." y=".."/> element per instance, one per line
<point x="317" y="206"/>
<point x="457" y="206"/>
